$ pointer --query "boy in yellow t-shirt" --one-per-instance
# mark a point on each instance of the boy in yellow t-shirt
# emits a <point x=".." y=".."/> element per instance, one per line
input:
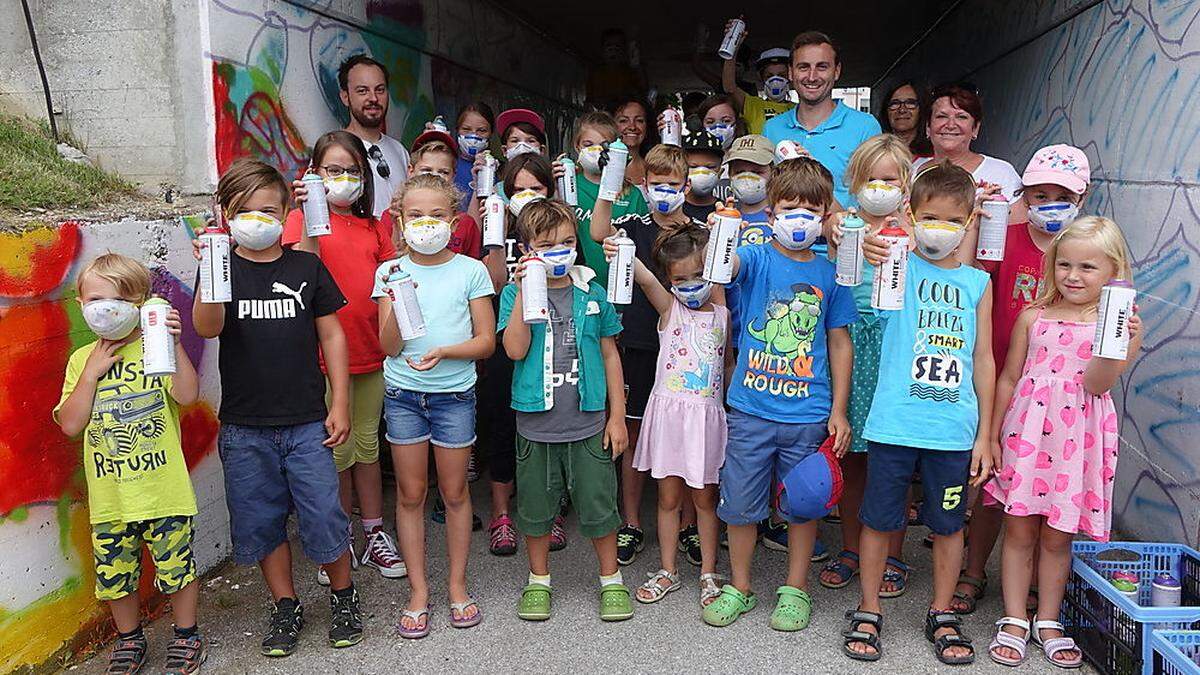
<point x="138" y="484"/>
<point x="772" y="66"/>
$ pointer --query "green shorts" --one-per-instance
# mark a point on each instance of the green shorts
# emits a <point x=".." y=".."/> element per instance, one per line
<point x="117" y="549"/>
<point x="366" y="409"/>
<point x="548" y="471"/>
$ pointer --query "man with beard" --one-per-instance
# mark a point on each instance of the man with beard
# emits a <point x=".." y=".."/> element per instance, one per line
<point x="364" y="90"/>
<point x="828" y="129"/>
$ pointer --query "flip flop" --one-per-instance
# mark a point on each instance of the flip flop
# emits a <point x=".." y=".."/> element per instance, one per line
<point x="465" y="621"/>
<point x="418" y="632"/>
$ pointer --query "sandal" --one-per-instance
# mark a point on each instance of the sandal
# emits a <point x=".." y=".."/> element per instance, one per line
<point x="535" y="603"/>
<point x="844" y="571"/>
<point x="946" y="619"/>
<point x="654" y="590"/>
<point x="1056" y="645"/>
<point x="979" y="584"/>
<point x="896" y="574"/>
<point x="853" y="634"/>
<point x="729" y="605"/>
<point x="709" y="588"/>
<point x="464" y="620"/>
<point x="792" y="610"/>
<point x="417" y="632"/>
<point x="614" y="603"/>
<point x="1013" y="642"/>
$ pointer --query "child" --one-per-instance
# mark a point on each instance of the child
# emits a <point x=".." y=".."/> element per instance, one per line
<point x="1055" y="185"/>
<point x="474" y="133"/>
<point x="276" y="431"/>
<point x="123" y="414"/>
<point x="718" y="117"/>
<point x="564" y="443"/>
<point x="682" y="439"/>
<point x="749" y="161"/>
<point x="666" y="180"/>
<point x="430" y="389"/>
<point x="357" y="243"/>
<point x="704" y="157"/>
<point x="1056" y="435"/>
<point x="772" y="66"/>
<point x="521" y="132"/>
<point x="931" y="412"/>
<point x="434" y="152"/>
<point x="790" y="387"/>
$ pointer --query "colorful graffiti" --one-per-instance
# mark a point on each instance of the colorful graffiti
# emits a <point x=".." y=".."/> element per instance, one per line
<point x="46" y="601"/>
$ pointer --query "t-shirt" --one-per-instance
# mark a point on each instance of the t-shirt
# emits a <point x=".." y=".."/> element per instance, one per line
<point x="352" y="250"/>
<point x="697" y="212"/>
<point x="444" y="292"/>
<point x="629" y="203"/>
<point x="132" y="457"/>
<point x="465" y="237"/>
<point x="639" y="318"/>
<point x="789" y="307"/>
<point x="755" y="228"/>
<point x="926" y="392"/>
<point x="268" y="358"/>
<point x="1017" y="280"/>
<point x="397" y="159"/>
<point x="757" y="110"/>
<point x="564" y="422"/>
<point x="831" y="143"/>
<point x="990" y="170"/>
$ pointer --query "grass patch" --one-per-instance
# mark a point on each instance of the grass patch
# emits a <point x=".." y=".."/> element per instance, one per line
<point x="32" y="175"/>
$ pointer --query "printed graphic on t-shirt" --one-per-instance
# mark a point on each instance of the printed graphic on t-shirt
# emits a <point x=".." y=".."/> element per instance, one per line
<point x="937" y="367"/>
<point x="565" y="328"/>
<point x="128" y="419"/>
<point x="694" y="350"/>
<point x="1026" y="286"/>
<point x="274" y="308"/>
<point x="753" y="234"/>
<point x="787" y="327"/>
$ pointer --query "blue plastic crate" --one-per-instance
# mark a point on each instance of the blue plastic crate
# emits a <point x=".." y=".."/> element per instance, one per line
<point x="1176" y="652"/>
<point x="1113" y="632"/>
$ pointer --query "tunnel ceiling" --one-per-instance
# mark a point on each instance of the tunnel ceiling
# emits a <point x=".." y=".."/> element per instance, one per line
<point x="871" y="35"/>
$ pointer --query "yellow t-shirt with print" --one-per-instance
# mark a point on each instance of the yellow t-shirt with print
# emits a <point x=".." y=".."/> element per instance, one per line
<point x="757" y="110"/>
<point x="132" y="455"/>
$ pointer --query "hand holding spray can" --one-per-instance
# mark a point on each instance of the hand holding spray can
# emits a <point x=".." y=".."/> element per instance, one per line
<point x="485" y="179"/>
<point x="216" y="284"/>
<point x="316" y="209"/>
<point x="888" y="289"/>
<point x="568" y="189"/>
<point x="1111" y="340"/>
<point x="439" y="124"/>
<point x="993" y="230"/>
<point x="535" y="305"/>
<point x="493" y="222"/>
<point x="620" y="271"/>
<point x="850" y="253"/>
<point x="672" y="127"/>
<point x="612" y="178"/>
<point x="158" y="345"/>
<point x="403" y="292"/>
<point x="732" y="39"/>
<point x="722" y="242"/>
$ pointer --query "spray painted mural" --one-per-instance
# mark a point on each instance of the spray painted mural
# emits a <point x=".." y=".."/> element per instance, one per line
<point x="46" y="601"/>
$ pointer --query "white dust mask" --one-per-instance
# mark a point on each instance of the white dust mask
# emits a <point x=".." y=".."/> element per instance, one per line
<point x="344" y="189"/>
<point x="111" y="319"/>
<point x="255" y="230"/>
<point x="796" y="229"/>
<point x="749" y="187"/>
<point x="427" y="235"/>
<point x="879" y="198"/>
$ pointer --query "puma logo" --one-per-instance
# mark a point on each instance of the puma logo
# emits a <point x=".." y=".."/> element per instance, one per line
<point x="278" y="287"/>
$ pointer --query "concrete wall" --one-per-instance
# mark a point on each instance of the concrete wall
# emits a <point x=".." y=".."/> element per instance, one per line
<point x="1119" y="80"/>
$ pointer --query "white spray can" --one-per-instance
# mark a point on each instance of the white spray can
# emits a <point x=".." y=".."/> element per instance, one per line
<point x="158" y="346"/>
<point x="216" y="283"/>
<point x="732" y="39"/>
<point x="672" y="129"/>
<point x="493" y="222"/>
<point x="535" y="305"/>
<point x="485" y="180"/>
<point x="888" y="289"/>
<point x="406" y="307"/>
<point x="722" y="242"/>
<point x="993" y="230"/>
<point x="568" y="188"/>
<point x="612" y="178"/>
<point x="849" y="253"/>
<point x="1112" y="320"/>
<point x="316" y="209"/>
<point x="620" y="271"/>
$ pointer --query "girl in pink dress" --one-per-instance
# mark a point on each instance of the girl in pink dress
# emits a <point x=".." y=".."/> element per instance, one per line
<point x="1056" y="451"/>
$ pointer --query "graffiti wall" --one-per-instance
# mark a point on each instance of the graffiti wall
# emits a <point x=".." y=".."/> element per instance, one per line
<point x="46" y="604"/>
<point x="1118" y="80"/>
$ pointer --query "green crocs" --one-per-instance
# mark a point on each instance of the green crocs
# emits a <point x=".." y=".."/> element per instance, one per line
<point x="535" y="603"/>
<point x="614" y="603"/>
<point x="728" y="606"/>
<point x="792" y="611"/>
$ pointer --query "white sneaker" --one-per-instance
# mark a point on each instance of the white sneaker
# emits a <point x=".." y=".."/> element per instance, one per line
<point x="382" y="555"/>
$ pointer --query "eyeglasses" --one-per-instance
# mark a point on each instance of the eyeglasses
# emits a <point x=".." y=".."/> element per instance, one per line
<point x="898" y="103"/>
<point x="381" y="165"/>
<point x="337" y="170"/>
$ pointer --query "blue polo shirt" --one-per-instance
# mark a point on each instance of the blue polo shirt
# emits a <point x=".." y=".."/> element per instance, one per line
<point x="831" y="143"/>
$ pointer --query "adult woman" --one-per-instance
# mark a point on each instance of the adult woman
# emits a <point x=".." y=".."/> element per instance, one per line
<point x="955" y="116"/>
<point x="631" y="116"/>
<point x="901" y="112"/>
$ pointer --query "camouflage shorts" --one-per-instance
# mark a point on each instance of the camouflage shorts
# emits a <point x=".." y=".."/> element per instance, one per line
<point x="117" y="548"/>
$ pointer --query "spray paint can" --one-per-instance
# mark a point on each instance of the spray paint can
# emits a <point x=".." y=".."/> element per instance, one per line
<point x="568" y="189"/>
<point x="1165" y="591"/>
<point x="1127" y="589"/>
<point x="672" y="129"/>
<point x="493" y="222"/>
<point x="732" y="39"/>
<point x="612" y="178"/>
<point x="1112" y="320"/>
<point x="722" y="242"/>
<point x="787" y="149"/>
<point x="316" y="210"/>
<point x="439" y="124"/>
<point x="485" y="180"/>
<point x="406" y="307"/>
<point x="620" y="271"/>
<point x="993" y="230"/>
<point x="216" y="284"/>
<point x="158" y="346"/>
<point x="535" y="306"/>
<point x="850" y="254"/>
<point x="888" y="289"/>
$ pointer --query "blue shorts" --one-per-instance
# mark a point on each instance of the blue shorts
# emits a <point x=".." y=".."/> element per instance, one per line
<point x="446" y="420"/>
<point x="758" y="453"/>
<point x="270" y="471"/>
<point x="890" y="470"/>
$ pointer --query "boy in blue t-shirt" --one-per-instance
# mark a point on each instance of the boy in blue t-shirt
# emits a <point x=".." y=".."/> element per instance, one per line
<point x="790" y="388"/>
<point x="931" y="412"/>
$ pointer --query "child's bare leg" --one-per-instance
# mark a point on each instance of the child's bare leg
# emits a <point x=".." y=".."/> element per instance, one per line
<point x="277" y="572"/>
<point x="412" y="484"/>
<point x="708" y="525"/>
<point x="452" y="483"/>
<point x="183" y="605"/>
<point x="126" y="613"/>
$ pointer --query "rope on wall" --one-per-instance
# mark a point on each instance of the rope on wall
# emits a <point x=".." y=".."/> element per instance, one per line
<point x="37" y="56"/>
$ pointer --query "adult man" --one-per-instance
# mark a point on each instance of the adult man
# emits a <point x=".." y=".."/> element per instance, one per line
<point x="829" y="130"/>
<point x="772" y="66"/>
<point x="364" y="90"/>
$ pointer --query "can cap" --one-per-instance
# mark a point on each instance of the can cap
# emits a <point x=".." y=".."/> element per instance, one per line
<point x="853" y="222"/>
<point x="618" y="145"/>
<point x="893" y="231"/>
<point x="1166" y="581"/>
<point x="1120" y="283"/>
<point x="729" y="212"/>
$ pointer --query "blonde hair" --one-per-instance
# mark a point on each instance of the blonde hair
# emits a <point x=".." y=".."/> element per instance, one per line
<point x="598" y="120"/>
<point x="667" y="160"/>
<point x="130" y="277"/>
<point x="868" y="154"/>
<point x="424" y="181"/>
<point x="431" y="147"/>
<point x="802" y="179"/>
<point x="245" y="177"/>
<point x="1097" y="230"/>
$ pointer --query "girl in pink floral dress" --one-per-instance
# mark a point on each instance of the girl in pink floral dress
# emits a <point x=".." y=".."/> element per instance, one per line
<point x="1056" y="454"/>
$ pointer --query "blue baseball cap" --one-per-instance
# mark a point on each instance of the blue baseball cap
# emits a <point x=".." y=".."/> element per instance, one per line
<point x="814" y="486"/>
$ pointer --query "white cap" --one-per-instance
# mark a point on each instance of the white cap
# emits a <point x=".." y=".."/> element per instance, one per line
<point x="774" y="54"/>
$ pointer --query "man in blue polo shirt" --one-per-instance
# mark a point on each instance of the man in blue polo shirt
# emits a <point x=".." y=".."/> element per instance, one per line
<point x="829" y="130"/>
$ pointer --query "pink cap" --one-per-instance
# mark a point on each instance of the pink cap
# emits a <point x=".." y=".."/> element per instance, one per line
<point x="1063" y="165"/>
<point x="512" y="115"/>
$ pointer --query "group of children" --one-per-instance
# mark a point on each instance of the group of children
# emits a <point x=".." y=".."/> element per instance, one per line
<point x="984" y="378"/>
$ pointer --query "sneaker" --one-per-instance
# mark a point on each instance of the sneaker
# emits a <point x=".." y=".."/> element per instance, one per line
<point x="184" y="655"/>
<point x="503" y="536"/>
<point x="472" y="469"/>
<point x="630" y="542"/>
<point x="775" y="536"/>
<point x="128" y="656"/>
<point x="345" y="625"/>
<point x="558" y="534"/>
<point x="381" y="554"/>
<point x="286" y="621"/>
<point x="689" y="544"/>
<point x="439" y="515"/>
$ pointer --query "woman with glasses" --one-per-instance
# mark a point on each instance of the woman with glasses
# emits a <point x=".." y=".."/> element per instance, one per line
<point x="901" y="113"/>
<point x="954" y="119"/>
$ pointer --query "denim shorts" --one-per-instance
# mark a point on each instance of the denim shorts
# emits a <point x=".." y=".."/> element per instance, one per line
<point x="890" y="469"/>
<point x="271" y="471"/>
<point x="758" y="453"/>
<point x="446" y="420"/>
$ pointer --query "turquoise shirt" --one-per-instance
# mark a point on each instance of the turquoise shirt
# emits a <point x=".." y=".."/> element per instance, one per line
<point x="831" y="143"/>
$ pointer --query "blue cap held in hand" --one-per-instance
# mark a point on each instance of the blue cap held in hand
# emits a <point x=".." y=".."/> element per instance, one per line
<point x="814" y="486"/>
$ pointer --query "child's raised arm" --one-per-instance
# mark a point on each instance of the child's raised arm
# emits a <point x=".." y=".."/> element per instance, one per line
<point x="76" y="411"/>
<point x="1014" y="364"/>
<point x="601" y="226"/>
<point x="1102" y="374"/>
<point x="660" y="298"/>
<point x="985" y="389"/>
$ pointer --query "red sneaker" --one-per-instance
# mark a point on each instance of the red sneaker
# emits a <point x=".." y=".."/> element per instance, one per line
<point x="382" y="555"/>
<point x="503" y="536"/>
